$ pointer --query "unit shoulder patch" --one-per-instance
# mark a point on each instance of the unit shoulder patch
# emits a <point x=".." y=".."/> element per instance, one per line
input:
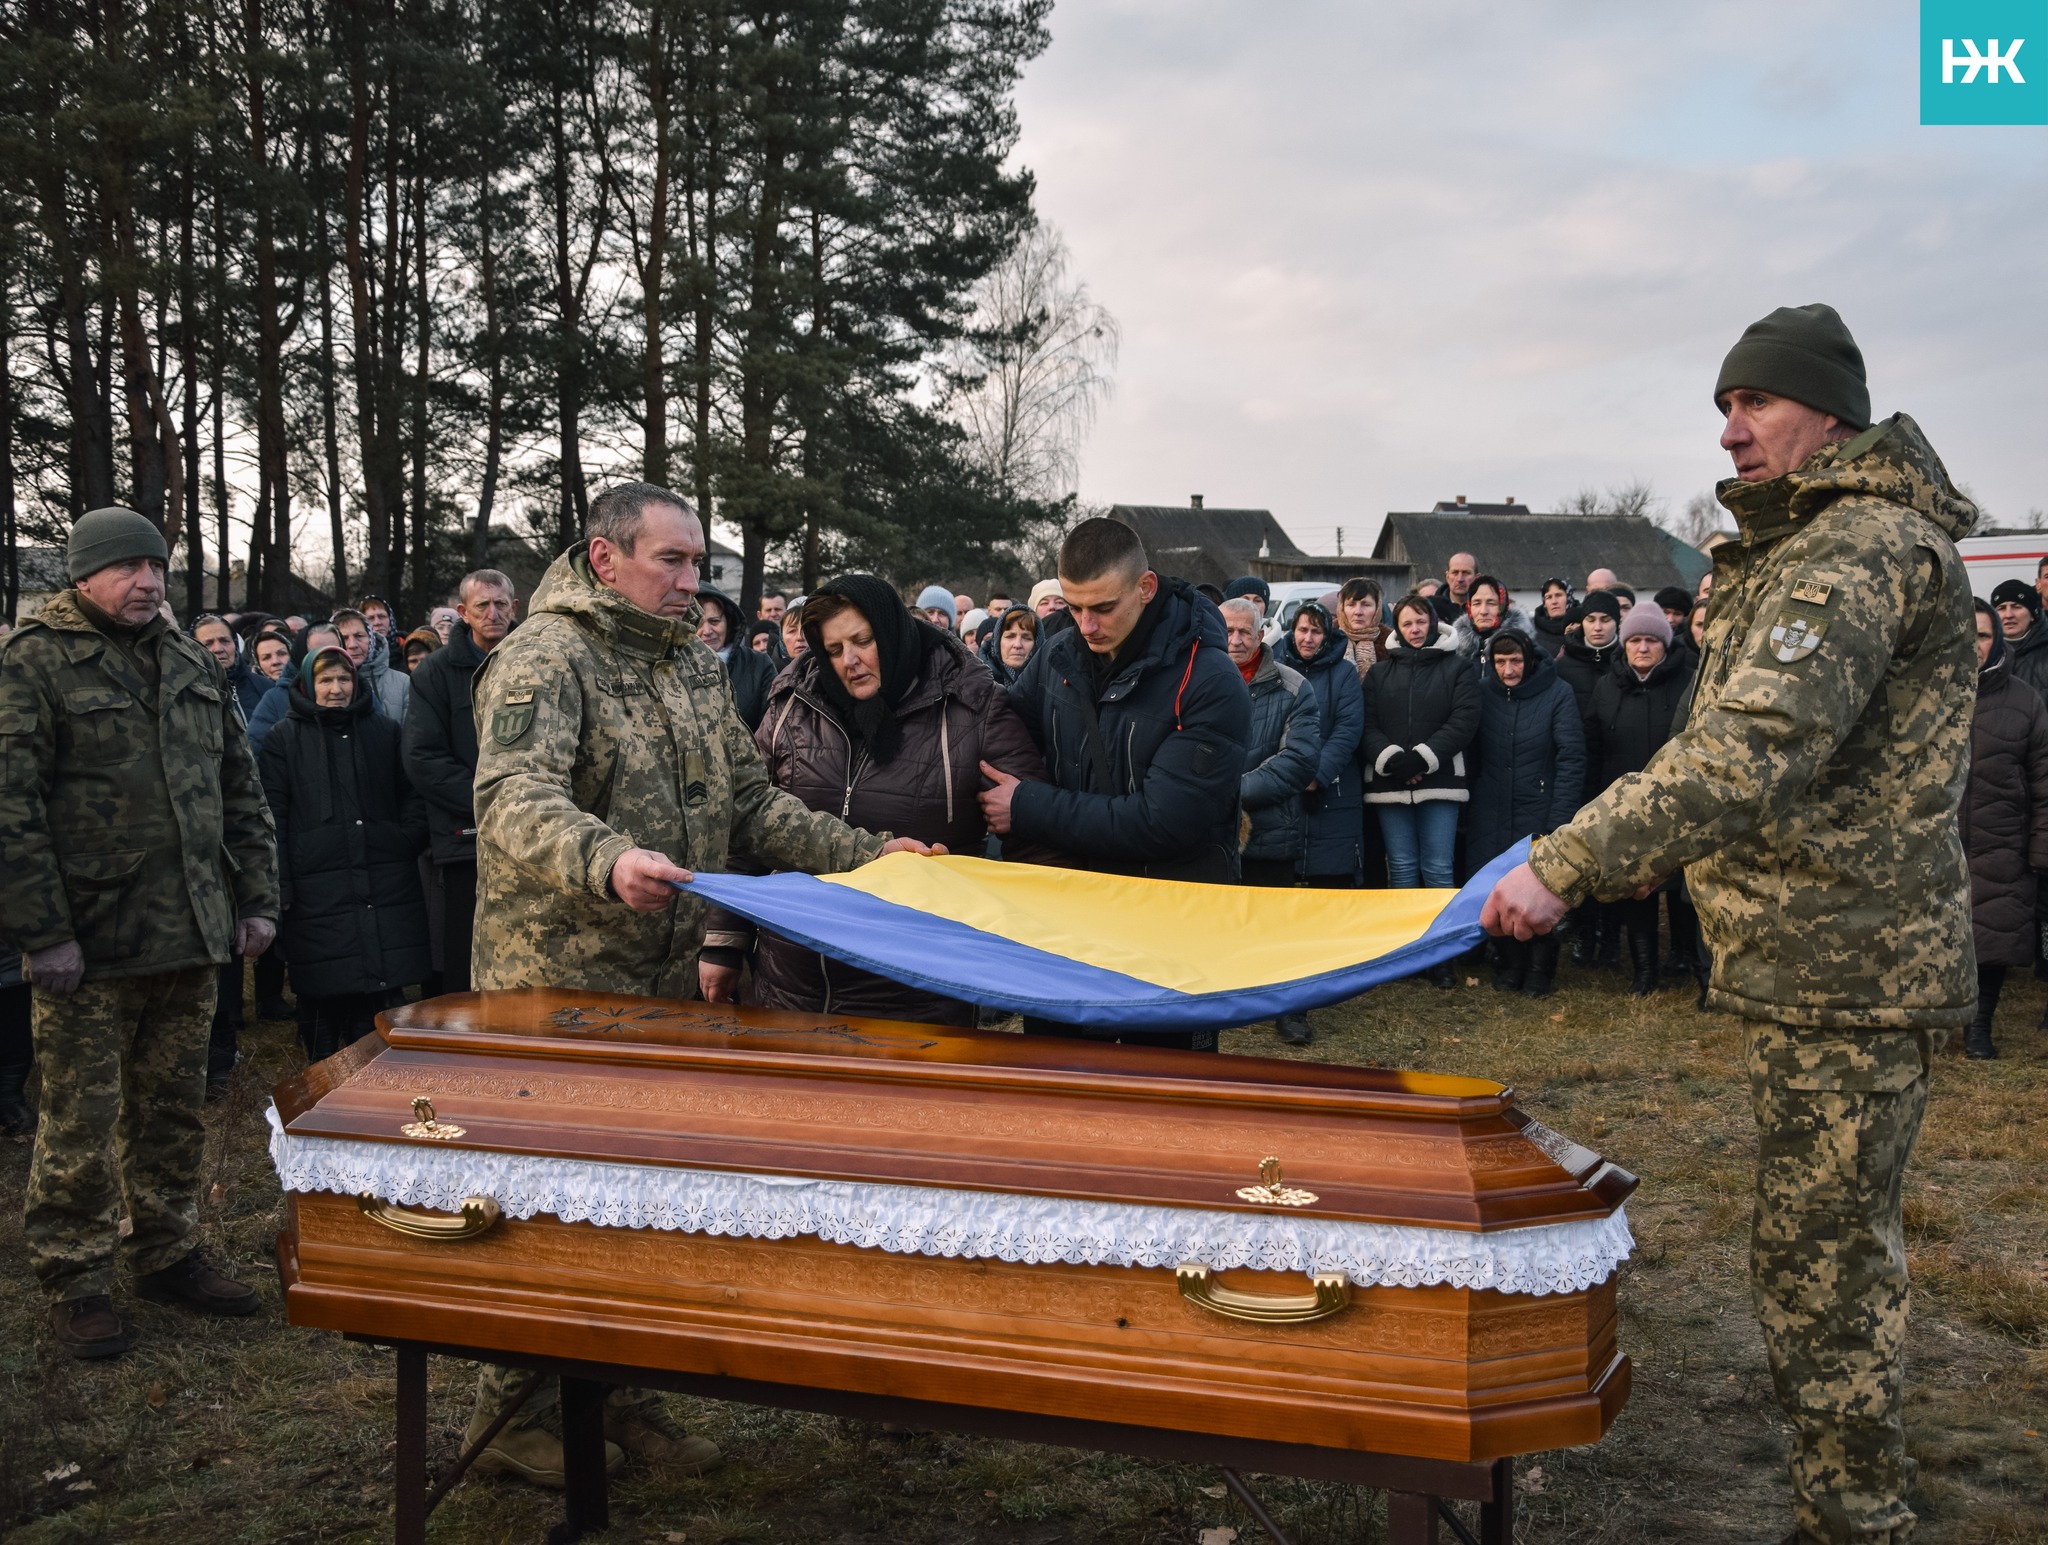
<point x="1812" y="591"/>
<point x="1793" y="638"/>
<point x="513" y="717"/>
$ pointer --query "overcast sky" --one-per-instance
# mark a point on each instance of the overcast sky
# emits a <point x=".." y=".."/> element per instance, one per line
<point x="1367" y="256"/>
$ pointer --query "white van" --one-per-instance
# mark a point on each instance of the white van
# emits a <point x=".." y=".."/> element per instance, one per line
<point x="2001" y="556"/>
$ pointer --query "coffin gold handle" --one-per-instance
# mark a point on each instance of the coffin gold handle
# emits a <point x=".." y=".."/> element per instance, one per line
<point x="478" y="1213"/>
<point x="1198" y="1285"/>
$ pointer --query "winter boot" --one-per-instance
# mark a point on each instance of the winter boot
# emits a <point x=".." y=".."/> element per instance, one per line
<point x="1444" y="976"/>
<point x="1610" y="941"/>
<point x="1542" y="975"/>
<point x="1977" y="1039"/>
<point x="1685" y="927"/>
<point x="1510" y="964"/>
<point x="16" y="1119"/>
<point x="1642" y="954"/>
<point x="1294" y="1029"/>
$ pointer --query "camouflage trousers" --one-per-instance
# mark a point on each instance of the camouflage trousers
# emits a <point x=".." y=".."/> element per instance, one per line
<point x="498" y="1385"/>
<point x="124" y="1078"/>
<point x="1837" y="1113"/>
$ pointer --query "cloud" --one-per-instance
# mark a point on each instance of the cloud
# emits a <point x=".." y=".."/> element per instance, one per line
<point x="1369" y="257"/>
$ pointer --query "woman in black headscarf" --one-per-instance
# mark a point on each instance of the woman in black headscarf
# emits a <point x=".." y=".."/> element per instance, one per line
<point x="884" y="720"/>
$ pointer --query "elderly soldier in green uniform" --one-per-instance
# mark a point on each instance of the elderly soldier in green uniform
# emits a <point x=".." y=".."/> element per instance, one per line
<point x="1811" y="800"/>
<point x="611" y="763"/>
<point x="139" y="853"/>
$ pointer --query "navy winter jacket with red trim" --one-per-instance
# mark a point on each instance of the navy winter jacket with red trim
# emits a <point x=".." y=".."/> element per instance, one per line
<point x="1174" y="724"/>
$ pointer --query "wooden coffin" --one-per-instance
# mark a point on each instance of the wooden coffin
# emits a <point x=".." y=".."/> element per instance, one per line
<point x="943" y="1215"/>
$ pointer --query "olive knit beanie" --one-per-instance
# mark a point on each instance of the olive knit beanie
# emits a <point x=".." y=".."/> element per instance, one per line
<point x="111" y="535"/>
<point x="1805" y="353"/>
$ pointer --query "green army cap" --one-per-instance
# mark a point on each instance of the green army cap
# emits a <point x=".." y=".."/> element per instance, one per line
<point x="1805" y="353"/>
<point x="111" y="535"/>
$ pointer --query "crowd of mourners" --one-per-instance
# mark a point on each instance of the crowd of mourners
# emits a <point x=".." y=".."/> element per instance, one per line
<point x="1396" y="744"/>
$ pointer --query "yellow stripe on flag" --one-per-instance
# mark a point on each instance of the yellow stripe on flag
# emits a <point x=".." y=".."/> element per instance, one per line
<point x="1190" y="938"/>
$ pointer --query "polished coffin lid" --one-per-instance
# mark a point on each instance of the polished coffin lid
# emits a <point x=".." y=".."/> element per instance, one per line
<point x="598" y="1081"/>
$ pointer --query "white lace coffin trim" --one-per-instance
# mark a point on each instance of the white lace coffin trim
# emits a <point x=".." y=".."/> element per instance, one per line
<point x="978" y="1225"/>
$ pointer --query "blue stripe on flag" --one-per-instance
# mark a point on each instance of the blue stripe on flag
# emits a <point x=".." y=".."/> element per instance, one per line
<point x="941" y="955"/>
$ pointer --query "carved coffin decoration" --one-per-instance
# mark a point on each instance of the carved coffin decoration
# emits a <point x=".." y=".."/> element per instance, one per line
<point x="1346" y="1257"/>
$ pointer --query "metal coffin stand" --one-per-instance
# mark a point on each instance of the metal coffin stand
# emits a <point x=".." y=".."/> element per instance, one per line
<point x="1418" y="1489"/>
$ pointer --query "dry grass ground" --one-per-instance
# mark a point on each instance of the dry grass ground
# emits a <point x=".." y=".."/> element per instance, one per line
<point x="258" y="1432"/>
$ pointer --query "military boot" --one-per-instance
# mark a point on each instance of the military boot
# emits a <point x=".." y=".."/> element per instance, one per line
<point x="647" y="1432"/>
<point x="530" y="1453"/>
<point x="193" y="1284"/>
<point x="1541" y="980"/>
<point x="88" y="1327"/>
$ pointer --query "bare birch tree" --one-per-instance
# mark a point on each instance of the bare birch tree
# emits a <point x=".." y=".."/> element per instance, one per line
<point x="1033" y="369"/>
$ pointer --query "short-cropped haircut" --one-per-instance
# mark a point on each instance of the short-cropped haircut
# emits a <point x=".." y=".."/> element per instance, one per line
<point x="1101" y="547"/>
<point x="484" y="579"/>
<point x="615" y="514"/>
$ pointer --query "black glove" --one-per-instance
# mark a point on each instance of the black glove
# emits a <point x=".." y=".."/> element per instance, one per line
<point x="1403" y="765"/>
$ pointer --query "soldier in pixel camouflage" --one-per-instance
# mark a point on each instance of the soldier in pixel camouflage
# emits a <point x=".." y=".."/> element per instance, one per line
<point x="139" y="853"/>
<point x="611" y="763"/>
<point x="1811" y="799"/>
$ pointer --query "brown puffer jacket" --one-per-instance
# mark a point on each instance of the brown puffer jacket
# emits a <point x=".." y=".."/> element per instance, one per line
<point x="953" y="719"/>
<point x="2004" y="815"/>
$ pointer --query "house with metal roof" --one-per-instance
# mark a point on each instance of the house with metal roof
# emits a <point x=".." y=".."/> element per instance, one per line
<point x="1215" y="546"/>
<point x="1523" y="548"/>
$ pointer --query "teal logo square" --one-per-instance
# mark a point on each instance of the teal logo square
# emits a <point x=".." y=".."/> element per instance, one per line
<point x="1984" y="61"/>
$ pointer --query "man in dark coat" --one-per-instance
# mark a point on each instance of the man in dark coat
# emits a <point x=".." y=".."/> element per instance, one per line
<point x="220" y="641"/>
<point x="724" y="632"/>
<point x="1286" y="739"/>
<point x="440" y="754"/>
<point x="1143" y="723"/>
<point x="1459" y="573"/>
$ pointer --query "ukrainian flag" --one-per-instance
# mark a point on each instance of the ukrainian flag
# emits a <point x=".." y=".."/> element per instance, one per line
<point x="1097" y="949"/>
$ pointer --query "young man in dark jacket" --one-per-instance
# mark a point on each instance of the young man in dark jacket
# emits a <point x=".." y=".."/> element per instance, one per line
<point x="440" y="755"/>
<point x="1143" y="723"/>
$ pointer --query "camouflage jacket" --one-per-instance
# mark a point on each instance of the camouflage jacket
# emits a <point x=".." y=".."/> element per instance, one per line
<point x="600" y="728"/>
<point x="1811" y="795"/>
<point x="131" y="816"/>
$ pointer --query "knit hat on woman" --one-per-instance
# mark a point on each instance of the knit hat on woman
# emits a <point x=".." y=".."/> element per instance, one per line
<point x="1646" y="619"/>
